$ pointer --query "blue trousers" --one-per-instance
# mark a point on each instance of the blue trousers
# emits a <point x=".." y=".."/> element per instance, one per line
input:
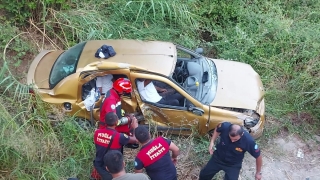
<point x="214" y="165"/>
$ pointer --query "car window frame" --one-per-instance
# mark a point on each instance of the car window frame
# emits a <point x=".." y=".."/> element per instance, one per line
<point x="93" y="74"/>
<point x="52" y="85"/>
<point x="176" y="85"/>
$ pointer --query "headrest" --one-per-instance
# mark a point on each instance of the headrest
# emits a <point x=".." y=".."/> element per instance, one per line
<point x="193" y="68"/>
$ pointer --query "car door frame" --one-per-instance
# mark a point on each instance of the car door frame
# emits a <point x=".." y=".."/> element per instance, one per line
<point x="159" y="108"/>
<point x="93" y="74"/>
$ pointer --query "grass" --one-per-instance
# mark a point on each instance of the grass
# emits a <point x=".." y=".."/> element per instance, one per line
<point x="32" y="149"/>
<point x="279" y="39"/>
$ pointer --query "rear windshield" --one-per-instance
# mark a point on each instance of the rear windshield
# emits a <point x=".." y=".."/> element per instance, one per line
<point x="66" y="64"/>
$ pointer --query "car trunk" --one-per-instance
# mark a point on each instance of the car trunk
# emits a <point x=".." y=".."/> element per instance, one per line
<point x="40" y="68"/>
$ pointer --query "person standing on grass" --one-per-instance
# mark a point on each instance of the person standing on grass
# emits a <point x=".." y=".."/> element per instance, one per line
<point x="154" y="156"/>
<point x="115" y="165"/>
<point x="229" y="153"/>
<point x="109" y="139"/>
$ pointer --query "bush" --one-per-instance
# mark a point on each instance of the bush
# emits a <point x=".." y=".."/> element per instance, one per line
<point x="23" y="10"/>
<point x="145" y="20"/>
<point x="30" y="148"/>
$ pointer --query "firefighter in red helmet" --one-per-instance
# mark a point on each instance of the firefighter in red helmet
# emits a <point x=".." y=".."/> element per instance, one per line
<point x="112" y="101"/>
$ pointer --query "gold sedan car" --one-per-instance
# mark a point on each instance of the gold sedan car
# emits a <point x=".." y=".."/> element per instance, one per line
<point x="212" y="90"/>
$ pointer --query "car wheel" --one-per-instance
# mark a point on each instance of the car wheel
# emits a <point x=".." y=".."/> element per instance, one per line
<point x="84" y="123"/>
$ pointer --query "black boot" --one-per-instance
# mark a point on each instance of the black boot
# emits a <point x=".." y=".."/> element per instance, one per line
<point x="132" y="146"/>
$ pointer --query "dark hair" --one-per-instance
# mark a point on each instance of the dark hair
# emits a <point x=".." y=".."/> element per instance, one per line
<point x="111" y="119"/>
<point x="142" y="134"/>
<point x="113" y="160"/>
<point x="234" y="131"/>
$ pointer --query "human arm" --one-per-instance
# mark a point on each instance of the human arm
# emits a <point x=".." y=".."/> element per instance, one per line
<point x="175" y="152"/>
<point x="100" y="89"/>
<point x="131" y="139"/>
<point x="162" y="90"/>
<point x="134" y="125"/>
<point x="148" y="81"/>
<point x="254" y="150"/>
<point x="214" y="138"/>
<point x="258" y="167"/>
<point x="138" y="166"/>
<point x="99" y="83"/>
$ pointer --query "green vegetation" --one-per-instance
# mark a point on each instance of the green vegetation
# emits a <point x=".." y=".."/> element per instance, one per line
<point x="31" y="148"/>
<point x="21" y="12"/>
<point x="280" y="39"/>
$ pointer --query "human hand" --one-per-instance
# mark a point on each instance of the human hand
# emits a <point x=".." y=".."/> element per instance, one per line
<point x="174" y="160"/>
<point x="258" y="176"/>
<point x="163" y="90"/>
<point x="211" y="148"/>
<point x="134" y="122"/>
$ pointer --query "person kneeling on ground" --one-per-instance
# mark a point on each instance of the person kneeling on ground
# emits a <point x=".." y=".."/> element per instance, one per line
<point x="154" y="156"/>
<point x="116" y="166"/>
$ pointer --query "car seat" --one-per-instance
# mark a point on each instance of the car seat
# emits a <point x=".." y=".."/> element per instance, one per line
<point x="191" y="84"/>
<point x="86" y="88"/>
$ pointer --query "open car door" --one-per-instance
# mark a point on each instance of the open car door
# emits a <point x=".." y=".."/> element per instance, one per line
<point x="176" y="119"/>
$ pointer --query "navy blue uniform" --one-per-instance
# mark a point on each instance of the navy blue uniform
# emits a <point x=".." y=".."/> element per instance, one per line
<point x="155" y="158"/>
<point x="229" y="155"/>
<point x="102" y="139"/>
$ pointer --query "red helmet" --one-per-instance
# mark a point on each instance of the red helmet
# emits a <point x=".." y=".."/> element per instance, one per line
<point x="122" y="85"/>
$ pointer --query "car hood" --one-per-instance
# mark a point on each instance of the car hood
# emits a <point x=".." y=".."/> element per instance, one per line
<point x="239" y="86"/>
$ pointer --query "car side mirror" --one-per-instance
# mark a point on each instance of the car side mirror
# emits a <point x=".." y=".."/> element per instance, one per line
<point x="199" y="50"/>
<point x="196" y="110"/>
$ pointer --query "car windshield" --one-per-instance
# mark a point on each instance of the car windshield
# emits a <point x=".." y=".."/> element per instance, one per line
<point x="65" y="64"/>
<point x="196" y="74"/>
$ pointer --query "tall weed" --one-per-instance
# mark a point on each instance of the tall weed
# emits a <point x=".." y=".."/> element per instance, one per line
<point x="21" y="11"/>
<point x="146" y="20"/>
<point x="32" y="149"/>
<point x="281" y="43"/>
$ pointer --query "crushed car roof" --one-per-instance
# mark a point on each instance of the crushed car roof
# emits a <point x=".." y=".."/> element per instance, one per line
<point x="156" y="56"/>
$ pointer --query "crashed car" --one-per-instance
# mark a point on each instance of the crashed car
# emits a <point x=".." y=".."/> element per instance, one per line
<point x="213" y="90"/>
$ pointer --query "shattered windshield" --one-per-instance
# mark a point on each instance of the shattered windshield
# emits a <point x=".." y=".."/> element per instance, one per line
<point x="66" y="64"/>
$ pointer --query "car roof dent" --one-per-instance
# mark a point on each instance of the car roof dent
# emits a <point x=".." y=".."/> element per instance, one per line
<point x="108" y="66"/>
<point x="123" y="65"/>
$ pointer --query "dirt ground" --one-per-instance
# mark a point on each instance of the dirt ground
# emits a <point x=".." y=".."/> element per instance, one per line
<point x="280" y="160"/>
